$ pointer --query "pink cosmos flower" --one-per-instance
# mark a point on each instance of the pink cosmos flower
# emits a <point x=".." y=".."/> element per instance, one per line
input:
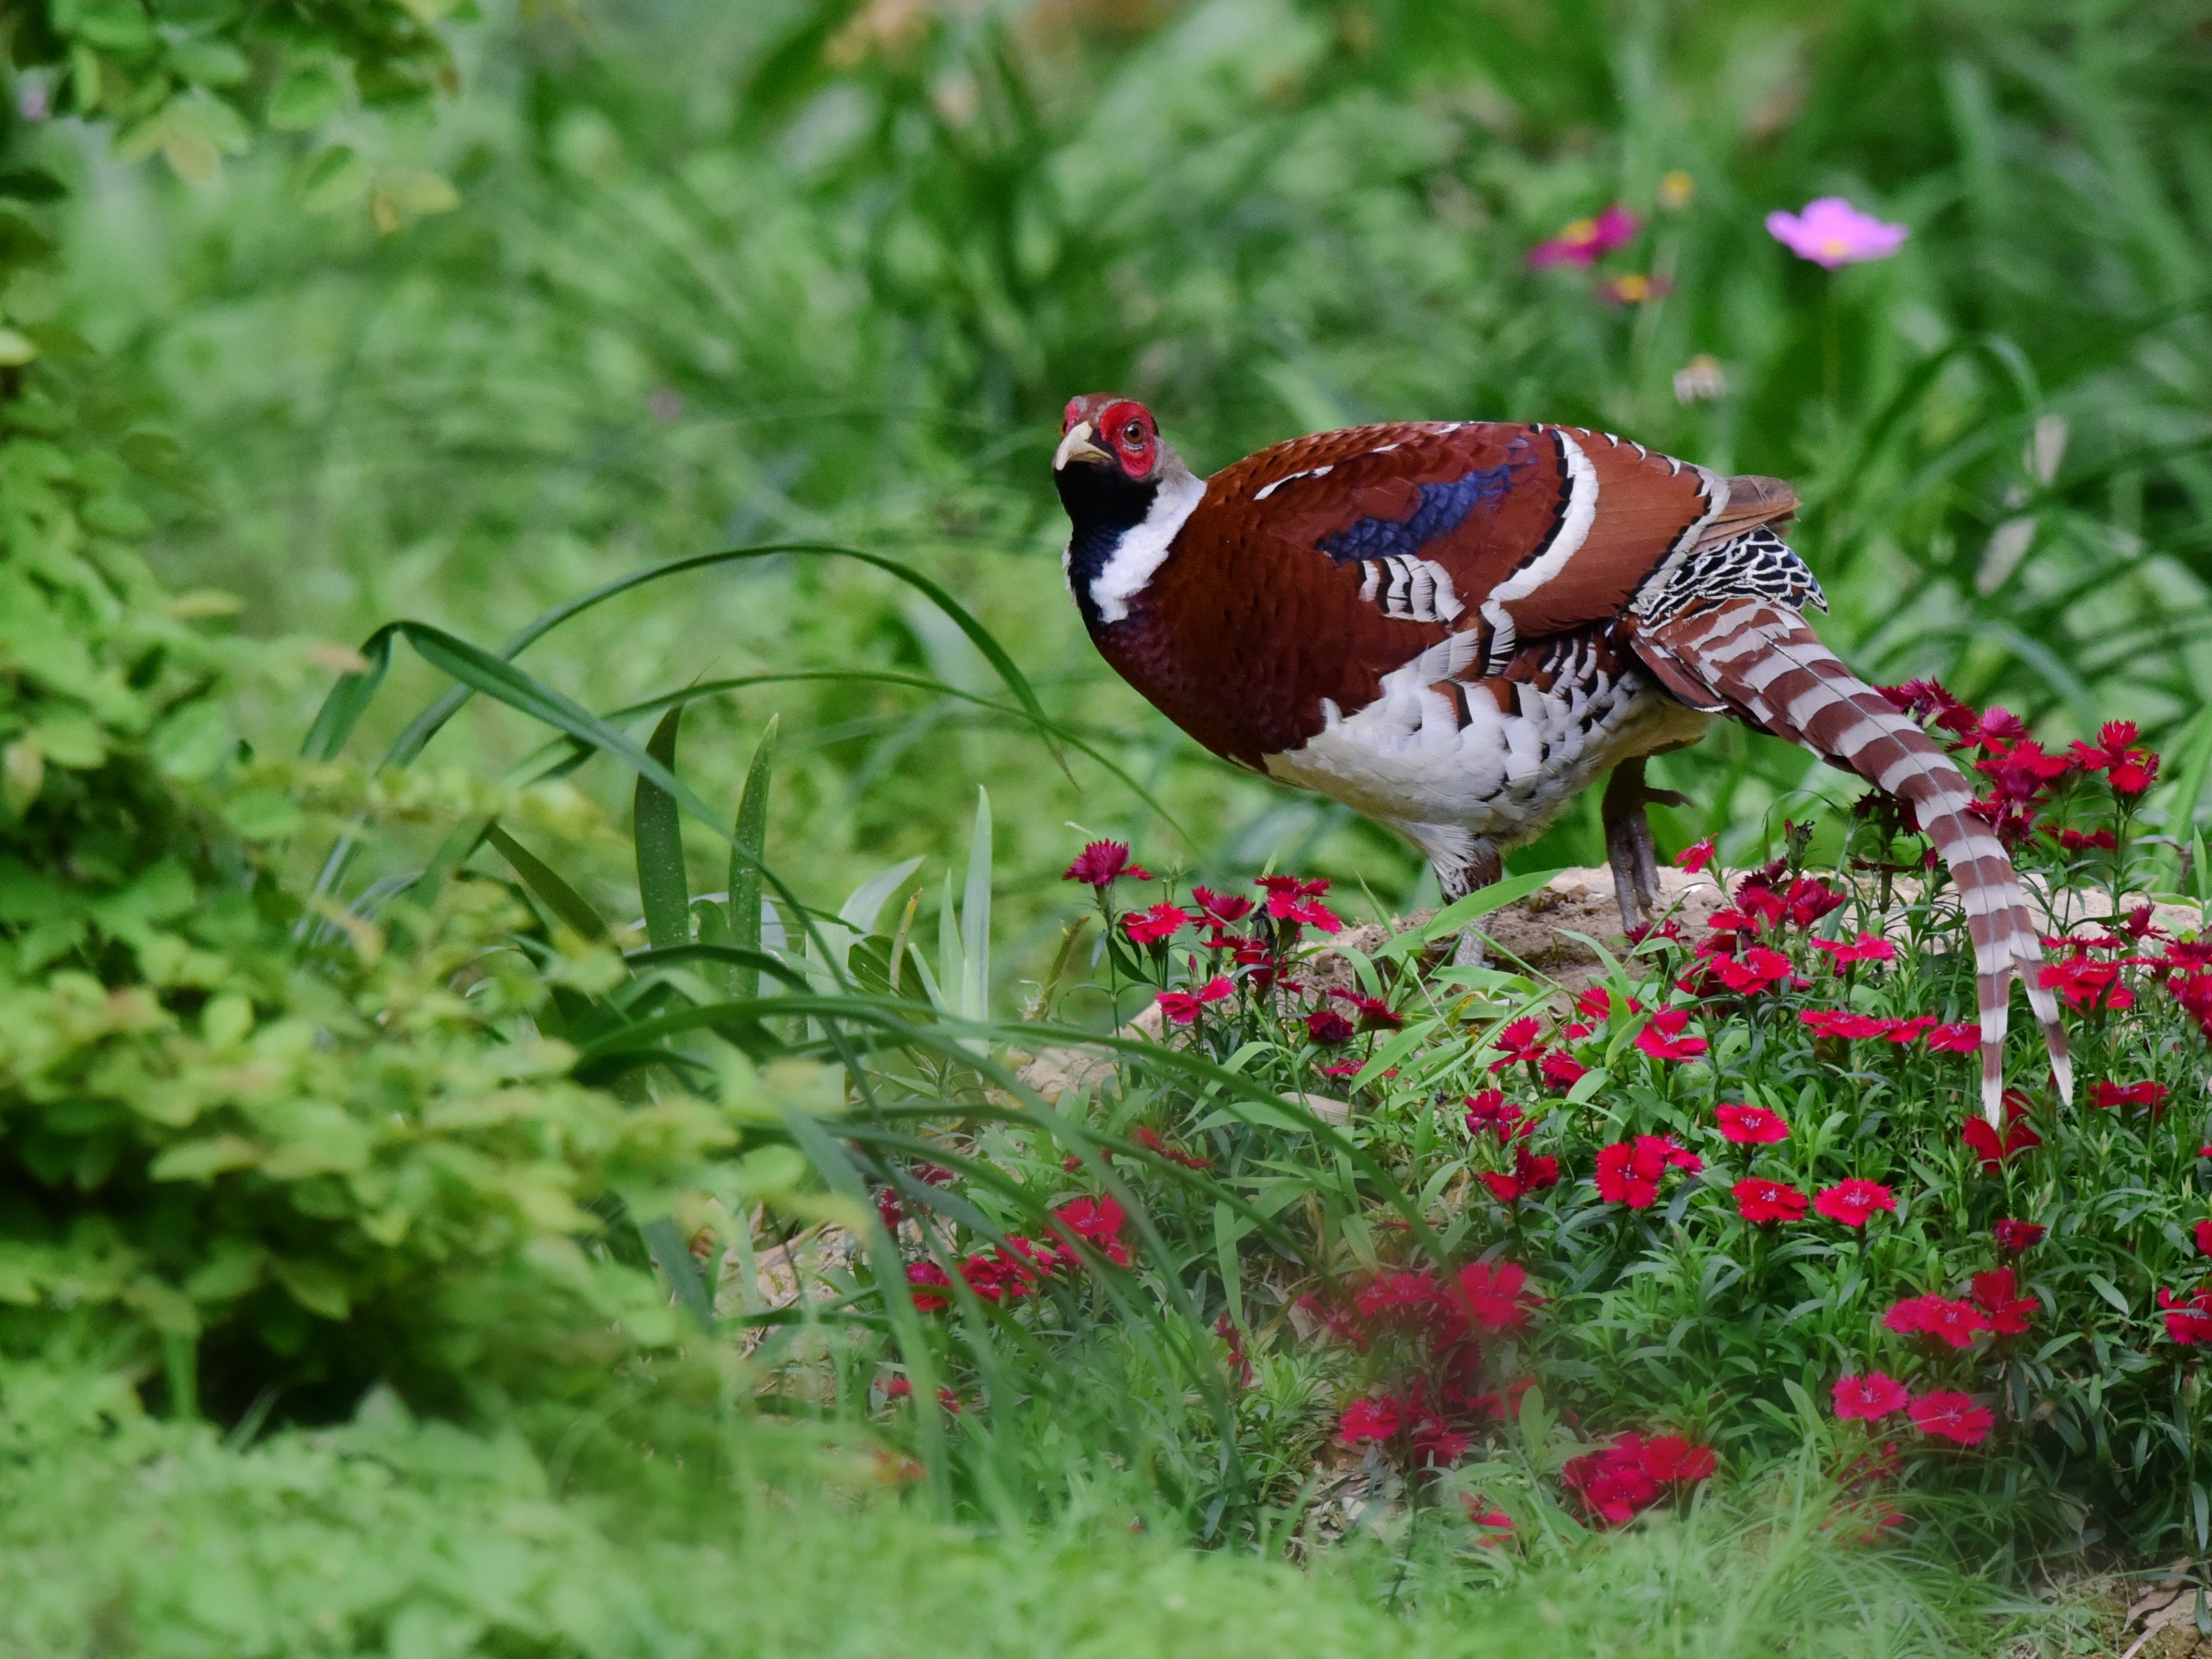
<point x="1184" y="1006"/>
<point x="1869" y="1398"/>
<point x="1852" y="1202"/>
<point x="1587" y="240"/>
<point x="1663" y="1039"/>
<point x="1750" y="1125"/>
<point x="1830" y="232"/>
<point x="1952" y="1417"/>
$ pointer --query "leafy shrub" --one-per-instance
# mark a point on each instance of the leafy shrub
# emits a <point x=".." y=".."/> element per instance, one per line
<point x="260" y="1147"/>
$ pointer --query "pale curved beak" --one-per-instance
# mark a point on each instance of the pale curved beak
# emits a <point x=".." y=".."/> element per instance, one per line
<point x="1077" y="447"/>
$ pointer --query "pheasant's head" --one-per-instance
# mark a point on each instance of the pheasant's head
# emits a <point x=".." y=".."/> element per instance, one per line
<point x="1127" y="495"/>
<point x="1102" y="429"/>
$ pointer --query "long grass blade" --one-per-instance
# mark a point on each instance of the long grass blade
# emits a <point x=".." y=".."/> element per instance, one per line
<point x="748" y="853"/>
<point x="557" y="895"/>
<point x="975" y="919"/>
<point x="657" y="832"/>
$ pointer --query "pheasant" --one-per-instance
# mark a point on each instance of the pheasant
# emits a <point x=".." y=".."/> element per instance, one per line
<point x="1455" y="627"/>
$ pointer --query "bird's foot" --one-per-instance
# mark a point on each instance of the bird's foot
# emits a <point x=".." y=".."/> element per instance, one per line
<point x="1629" y="848"/>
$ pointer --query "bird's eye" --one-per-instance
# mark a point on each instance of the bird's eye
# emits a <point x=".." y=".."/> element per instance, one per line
<point x="1134" y="434"/>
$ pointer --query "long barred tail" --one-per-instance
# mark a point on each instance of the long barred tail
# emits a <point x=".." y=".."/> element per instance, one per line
<point x="1759" y="661"/>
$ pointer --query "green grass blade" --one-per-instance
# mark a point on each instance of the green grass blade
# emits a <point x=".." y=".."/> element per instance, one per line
<point x="975" y="919"/>
<point x="348" y="700"/>
<point x="657" y="831"/>
<point x="672" y="1255"/>
<point x="557" y="895"/>
<point x="1457" y="914"/>
<point x="748" y="849"/>
<point x="426" y="724"/>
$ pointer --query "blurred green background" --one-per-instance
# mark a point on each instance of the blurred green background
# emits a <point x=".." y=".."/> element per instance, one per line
<point x="810" y="269"/>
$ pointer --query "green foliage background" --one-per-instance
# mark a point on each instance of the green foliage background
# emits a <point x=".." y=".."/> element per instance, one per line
<point x="726" y="274"/>
<point x="533" y="298"/>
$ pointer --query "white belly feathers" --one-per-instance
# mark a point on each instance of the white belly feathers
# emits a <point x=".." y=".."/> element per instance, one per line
<point x="1503" y="776"/>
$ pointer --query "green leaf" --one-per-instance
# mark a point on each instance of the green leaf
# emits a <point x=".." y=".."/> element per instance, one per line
<point x="1455" y="916"/>
<point x="334" y="179"/>
<point x="31" y="185"/>
<point x="203" y="1160"/>
<point x="315" y="1285"/>
<point x="859" y="912"/>
<point x="305" y="97"/>
<point x="562" y="900"/>
<point x="657" y="832"/>
<point x="417" y="190"/>
<point x="208" y="62"/>
<point x="2110" y="1292"/>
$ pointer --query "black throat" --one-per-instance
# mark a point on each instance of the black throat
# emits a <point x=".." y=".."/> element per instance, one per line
<point x="1103" y="504"/>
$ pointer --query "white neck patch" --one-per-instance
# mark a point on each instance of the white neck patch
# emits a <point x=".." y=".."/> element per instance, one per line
<point x="1144" y="546"/>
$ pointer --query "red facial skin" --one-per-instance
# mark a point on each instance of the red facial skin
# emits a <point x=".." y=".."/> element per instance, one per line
<point x="1121" y="427"/>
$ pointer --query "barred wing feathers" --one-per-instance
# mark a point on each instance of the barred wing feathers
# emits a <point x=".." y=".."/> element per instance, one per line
<point x="1760" y="661"/>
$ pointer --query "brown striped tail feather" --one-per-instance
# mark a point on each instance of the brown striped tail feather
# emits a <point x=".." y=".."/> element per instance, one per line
<point x="1762" y="662"/>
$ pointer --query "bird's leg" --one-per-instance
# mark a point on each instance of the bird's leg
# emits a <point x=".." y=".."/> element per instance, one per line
<point x="1458" y="880"/>
<point x="1628" y="845"/>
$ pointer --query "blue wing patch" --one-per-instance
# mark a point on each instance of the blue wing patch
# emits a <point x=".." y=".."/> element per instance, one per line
<point x="1443" y="507"/>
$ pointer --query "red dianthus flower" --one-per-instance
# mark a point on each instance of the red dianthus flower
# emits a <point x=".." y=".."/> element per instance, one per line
<point x="1868" y="1398"/>
<point x="2188" y="1318"/>
<point x="1376" y="1417"/>
<point x="1998" y="1293"/>
<point x="1852" y="1202"/>
<point x="1954" y="1322"/>
<point x="2013" y="1236"/>
<point x="1150" y="927"/>
<point x="1663" y="1036"/>
<point x="1761" y="1200"/>
<point x="1750" y="1125"/>
<point x="1103" y="863"/>
<point x="1951" y="1417"/>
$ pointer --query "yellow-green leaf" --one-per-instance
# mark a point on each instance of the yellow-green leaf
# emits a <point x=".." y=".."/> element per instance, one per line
<point x="315" y="1286"/>
<point x="203" y="1160"/>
